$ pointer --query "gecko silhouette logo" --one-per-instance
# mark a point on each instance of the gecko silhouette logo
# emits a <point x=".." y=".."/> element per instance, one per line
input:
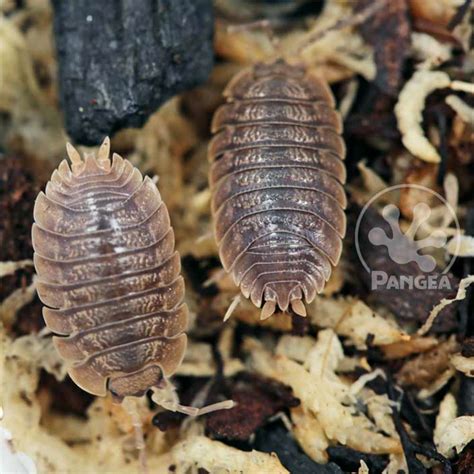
<point x="414" y="255"/>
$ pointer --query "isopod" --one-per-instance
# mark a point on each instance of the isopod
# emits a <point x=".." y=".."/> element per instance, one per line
<point x="109" y="276"/>
<point x="276" y="179"/>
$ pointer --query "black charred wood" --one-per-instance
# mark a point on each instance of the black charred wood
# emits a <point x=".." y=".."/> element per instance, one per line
<point x="466" y="396"/>
<point x="274" y="438"/>
<point x="120" y="60"/>
<point x="349" y="459"/>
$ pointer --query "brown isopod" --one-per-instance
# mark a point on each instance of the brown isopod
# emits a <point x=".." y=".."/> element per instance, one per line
<point x="276" y="178"/>
<point x="110" y="278"/>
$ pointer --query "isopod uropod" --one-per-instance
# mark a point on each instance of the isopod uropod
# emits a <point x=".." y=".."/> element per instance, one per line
<point x="277" y="180"/>
<point x="109" y="276"/>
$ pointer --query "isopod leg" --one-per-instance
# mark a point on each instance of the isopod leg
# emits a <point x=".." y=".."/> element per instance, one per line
<point x="131" y="406"/>
<point x="165" y="395"/>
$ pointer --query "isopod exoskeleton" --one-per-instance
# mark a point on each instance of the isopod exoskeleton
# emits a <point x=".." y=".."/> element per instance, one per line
<point x="277" y="180"/>
<point x="109" y="275"/>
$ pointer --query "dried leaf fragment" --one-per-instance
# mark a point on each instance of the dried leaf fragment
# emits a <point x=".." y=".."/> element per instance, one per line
<point x="422" y="370"/>
<point x="415" y="345"/>
<point x="256" y="400"/>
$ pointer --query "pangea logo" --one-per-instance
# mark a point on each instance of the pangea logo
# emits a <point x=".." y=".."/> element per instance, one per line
<point x="403" y="248"/>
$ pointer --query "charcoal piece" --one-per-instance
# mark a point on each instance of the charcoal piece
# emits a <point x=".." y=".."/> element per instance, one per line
<point x="275" y="438"/>
<point x="465" y="397"/>
<point x="413" y="305"/>
<point x="466" y="306"/>
<point x="410" y="447"/>
<point x="467" y="347"/>
<point x="120" y="60"/>
<point x="198" y="273"/>
<point x="349" y="459"/>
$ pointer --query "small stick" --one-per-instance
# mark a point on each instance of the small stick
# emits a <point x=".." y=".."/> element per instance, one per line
<point x="232" y="307"/>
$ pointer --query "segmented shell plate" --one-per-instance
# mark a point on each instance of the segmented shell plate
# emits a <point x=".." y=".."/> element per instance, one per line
<point x="277" y="180"/>
<point x="109" y="275"/>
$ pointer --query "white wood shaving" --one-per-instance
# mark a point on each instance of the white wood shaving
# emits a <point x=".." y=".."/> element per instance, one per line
<point x="323" y="393"/>
<point x="40" y="353"/>
<point x="8" y="268"/>
<point x="456" y="435"/>
<point x="380" y="409"/>
<point x="447" y="413"/>
<point x="216" y="457"/>
<point x="429" y="50"/>
<point x="460" y="295"/>
<point x="295" y="347"/>
<point x="360" y="383"/>
<point x="309" y="433"/>
<point x="461" y="246"/>
<point x="363" y="468"/>
<point x="355" y="320"/>
<point x="349" y="97"/>
<point x="14" y="302"/>
<point x="463" y="364"/>
<point x="409" y="108"/>
<point x="464" y="111"/>
<point x="199" y="362"/>
<point x="463" y="86"/>
<point x="397" y="463"/>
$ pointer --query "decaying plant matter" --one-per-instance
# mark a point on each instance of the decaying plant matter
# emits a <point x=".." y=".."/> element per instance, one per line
<point x="371" y="380"/>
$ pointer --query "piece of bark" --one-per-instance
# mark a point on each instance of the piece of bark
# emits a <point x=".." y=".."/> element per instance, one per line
<point x="423" y="369"/>
<point x="120" y="60"/>
<point x="257" y="399"/>
<point x="389" y="33"/>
